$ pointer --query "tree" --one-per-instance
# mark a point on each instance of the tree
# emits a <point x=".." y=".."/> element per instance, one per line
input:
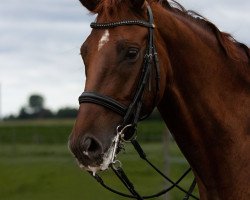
<point x="36" y="103"/>
<point x="67" y="113"/>
<point x="43" y="114"/>
<point x="35" y="109"/>
<point x="23" y="114"/>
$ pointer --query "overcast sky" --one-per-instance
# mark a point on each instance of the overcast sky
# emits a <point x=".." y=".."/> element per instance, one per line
<point x="40" y="41"/>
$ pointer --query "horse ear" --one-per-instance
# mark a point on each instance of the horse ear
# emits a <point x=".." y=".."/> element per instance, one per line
<point x="138" y="4"/>
<point x="90" y="4"/>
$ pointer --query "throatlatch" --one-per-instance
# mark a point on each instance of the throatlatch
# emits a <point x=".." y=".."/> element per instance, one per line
<point x="132" y="114"/>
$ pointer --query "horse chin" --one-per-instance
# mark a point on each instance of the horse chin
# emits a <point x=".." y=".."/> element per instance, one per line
<point x="106" y="160"/>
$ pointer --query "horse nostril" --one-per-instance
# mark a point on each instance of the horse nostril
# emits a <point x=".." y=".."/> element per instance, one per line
<point x="86" y="144"/>
<point x="88" y="150"/>
<point x="91" y="146"/>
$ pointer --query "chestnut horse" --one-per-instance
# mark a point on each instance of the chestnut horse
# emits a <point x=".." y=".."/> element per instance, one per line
<point x="203" y="96"/>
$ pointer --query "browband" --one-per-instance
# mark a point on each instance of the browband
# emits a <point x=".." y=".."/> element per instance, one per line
<point x="121" y="23"/>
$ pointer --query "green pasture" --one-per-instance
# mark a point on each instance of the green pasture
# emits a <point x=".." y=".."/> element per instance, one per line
<point x="35" y="164"/>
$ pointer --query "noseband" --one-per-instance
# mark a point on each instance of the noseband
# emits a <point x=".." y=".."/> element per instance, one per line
<point x="132" y="114"/>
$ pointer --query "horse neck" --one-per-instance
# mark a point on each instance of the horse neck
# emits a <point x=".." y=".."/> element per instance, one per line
<point x="206" y="106"/>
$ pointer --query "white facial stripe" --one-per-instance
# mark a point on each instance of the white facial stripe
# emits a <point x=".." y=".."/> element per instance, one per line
<point x="104" y="39"/>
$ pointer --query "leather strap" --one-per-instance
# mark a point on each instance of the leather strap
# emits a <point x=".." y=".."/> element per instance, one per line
<point x="122" y="23"/>
<point x="102" y="100"/>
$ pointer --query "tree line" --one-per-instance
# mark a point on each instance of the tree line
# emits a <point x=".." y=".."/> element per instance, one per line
<point x="35" y="109"/>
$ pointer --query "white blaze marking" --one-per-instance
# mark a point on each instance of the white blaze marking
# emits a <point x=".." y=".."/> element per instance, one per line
<point x="104" y="39"/>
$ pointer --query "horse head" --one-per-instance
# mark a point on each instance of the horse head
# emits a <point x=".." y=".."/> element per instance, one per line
<point x="202" y="92"/>
<point x="114" y="57"/>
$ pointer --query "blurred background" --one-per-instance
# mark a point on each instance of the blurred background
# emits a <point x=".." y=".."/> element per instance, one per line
<point x="41" y="77"/>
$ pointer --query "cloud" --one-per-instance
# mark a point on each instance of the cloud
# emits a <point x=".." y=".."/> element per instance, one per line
<point x="40" y="42"/>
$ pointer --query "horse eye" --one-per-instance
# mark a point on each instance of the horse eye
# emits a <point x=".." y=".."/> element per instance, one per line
<point x="132" y="54"/>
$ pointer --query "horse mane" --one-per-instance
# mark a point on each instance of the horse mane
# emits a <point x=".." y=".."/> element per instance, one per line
<point x="226" y="40"/>
<point x="228" y="43"/>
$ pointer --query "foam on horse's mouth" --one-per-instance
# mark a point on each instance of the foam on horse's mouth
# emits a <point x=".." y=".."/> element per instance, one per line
<point x="106" y="161"/>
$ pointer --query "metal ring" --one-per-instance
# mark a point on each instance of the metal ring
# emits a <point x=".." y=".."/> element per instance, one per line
<point x="116" y="164"/>
<point x="132" y="137"/>
<point x="122" y="128"/>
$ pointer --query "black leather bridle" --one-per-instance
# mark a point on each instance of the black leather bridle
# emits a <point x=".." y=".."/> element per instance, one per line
<point x="132" y="113"/>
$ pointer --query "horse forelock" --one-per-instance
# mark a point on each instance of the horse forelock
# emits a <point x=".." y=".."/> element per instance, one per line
<point x="114" y="9"/>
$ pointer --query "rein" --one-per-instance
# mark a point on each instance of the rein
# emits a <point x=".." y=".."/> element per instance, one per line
<point x="131" y="115"/>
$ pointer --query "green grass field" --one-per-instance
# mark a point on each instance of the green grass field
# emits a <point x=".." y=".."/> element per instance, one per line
<point x="35" y="164"/>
